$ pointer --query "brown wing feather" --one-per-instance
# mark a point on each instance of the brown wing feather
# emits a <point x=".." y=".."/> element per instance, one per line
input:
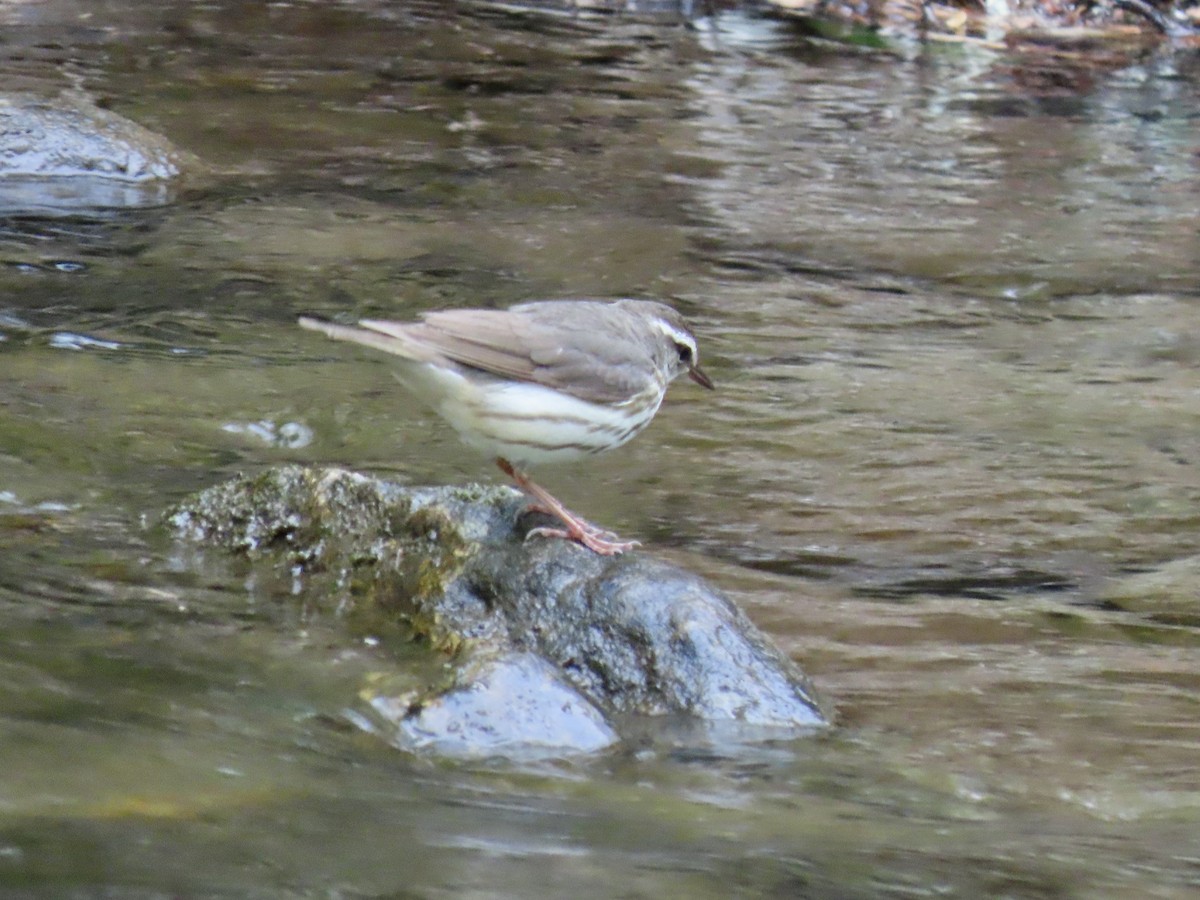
<point x="486" y="339"/>
<point x="585" y="353"/>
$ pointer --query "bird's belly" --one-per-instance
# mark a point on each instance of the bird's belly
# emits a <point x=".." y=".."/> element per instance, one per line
<point x="529" y="424"/>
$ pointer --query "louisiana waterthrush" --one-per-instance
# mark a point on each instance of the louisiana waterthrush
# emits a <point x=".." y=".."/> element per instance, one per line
<point x="549" y="381"/>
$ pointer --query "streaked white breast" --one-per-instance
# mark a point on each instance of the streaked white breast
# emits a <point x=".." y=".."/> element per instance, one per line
<point x="529" y="424"/>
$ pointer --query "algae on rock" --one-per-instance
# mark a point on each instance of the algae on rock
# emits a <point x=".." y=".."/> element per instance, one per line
<point x="527" y="624"/>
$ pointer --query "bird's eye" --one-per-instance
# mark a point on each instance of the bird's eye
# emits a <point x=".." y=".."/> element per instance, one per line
<point x="685" y="354"/>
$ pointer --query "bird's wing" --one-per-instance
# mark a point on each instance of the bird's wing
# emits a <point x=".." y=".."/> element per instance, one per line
<point x="578" y="353"/>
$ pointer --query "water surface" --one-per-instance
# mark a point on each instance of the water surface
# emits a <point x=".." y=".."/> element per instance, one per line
<point x="953" y="321"/>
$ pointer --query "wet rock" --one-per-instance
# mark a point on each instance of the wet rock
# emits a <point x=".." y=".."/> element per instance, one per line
<point x="1078" y="27"/>
<point x="64" y="154"/>
<point x="551" y="642"/>
<point x="512" y="704"/>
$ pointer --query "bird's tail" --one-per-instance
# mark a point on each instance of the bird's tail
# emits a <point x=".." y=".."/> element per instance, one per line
<point x="390" y="337"/>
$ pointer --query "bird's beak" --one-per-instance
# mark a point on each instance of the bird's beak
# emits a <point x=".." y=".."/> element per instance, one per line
<point x="697" y="375"/>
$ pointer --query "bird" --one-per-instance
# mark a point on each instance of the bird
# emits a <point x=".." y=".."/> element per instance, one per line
<point x="547" y="381"/>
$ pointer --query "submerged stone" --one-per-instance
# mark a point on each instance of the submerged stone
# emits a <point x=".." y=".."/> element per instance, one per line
<point x="513" y="704"/>
<point x="552" y="643"/>
<point x="65" y="154"/>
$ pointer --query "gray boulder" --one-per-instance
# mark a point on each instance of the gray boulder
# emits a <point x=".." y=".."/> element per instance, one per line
<point x="61" y="155"/>
<point x="553" y="645"/>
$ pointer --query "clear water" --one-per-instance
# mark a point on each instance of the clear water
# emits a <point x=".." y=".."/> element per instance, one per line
<point x="953" y="321"/>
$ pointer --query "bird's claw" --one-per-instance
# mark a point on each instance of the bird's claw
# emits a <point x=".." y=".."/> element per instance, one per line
<point x="581" y="526"/>
<point x="595" y="540"/>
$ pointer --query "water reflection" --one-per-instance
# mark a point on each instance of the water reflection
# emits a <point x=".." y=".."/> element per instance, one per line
<point x="953" y="327"/>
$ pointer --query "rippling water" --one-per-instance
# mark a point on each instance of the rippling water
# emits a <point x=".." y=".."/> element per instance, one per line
<point x="953" y="322"/>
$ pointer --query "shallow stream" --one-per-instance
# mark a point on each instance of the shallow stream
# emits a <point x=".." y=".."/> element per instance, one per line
<point x="952" y="465"/>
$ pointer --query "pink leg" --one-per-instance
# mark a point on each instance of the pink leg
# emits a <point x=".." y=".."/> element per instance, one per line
<point x="595" y="539"/>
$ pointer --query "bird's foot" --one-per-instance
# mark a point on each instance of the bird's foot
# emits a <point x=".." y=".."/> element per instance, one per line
<point x="582" y="525"/>
<point x="596" y="539"/>
<point x="592" y="540"/>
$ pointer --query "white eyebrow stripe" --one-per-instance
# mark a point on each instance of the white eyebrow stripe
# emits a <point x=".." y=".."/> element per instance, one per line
<point x="679" y="337"/>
